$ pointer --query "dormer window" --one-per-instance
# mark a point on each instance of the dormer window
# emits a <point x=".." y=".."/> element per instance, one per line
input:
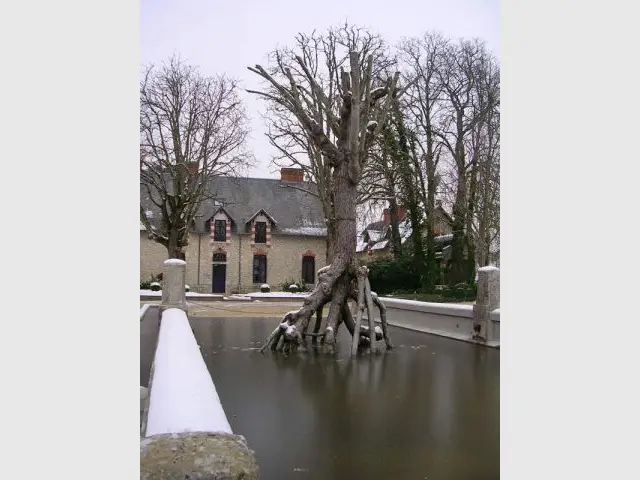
<point x="220" y="231"/>
<point x="260" y="225"/>
<point x="261" y="232"/>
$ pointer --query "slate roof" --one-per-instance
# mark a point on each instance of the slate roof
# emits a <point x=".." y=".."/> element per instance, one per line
<point x="379" y="225"/>
<point x="294" y="211"/>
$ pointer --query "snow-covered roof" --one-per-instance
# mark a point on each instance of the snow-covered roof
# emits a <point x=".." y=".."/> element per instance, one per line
<point x="405" y="230"/>
<point x="289" y="203"/>
<point x="380" y="245"/>
<point x="361" y="245"/>
<point x="307" y="228"/>
<point x="443" y="238"/>
<point x="375" y="235"/>
<point x="306" y="231"/>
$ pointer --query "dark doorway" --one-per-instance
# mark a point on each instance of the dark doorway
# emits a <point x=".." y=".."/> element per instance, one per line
<point x="219" y="278"/>
<point x="219" y="282"/>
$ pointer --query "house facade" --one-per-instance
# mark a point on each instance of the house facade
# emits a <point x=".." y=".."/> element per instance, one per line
<point x="250" y="232"/>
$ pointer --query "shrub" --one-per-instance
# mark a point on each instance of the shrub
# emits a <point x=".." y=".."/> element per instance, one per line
<point x="186" y="288"/>
<point x="299" y="286"/>
<point x="145" y="284"/>
<point x="389" y="275"/>
<point x="460" y="291"/>
<point x="265" y="288"/>
<point x="155" y="286"/>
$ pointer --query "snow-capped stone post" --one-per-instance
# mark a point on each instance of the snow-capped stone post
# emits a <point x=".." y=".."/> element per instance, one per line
<point x="488" y="299"/>
<point x="173" y="276"/>
<point x="187" y="434"/>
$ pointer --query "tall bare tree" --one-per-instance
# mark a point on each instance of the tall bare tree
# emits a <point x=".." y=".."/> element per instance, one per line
<point x="192" y="128"/>
<point x="458" y="75"/>
<point x="339" y="110"/>
<point x="421" y="58"/>
<point x="324" y="55"/>
<point x="484" y="145"/>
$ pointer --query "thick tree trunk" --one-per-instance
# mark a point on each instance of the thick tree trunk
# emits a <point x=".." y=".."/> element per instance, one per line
<point x="430" y="211"/>
<point x="354" y="129"/>
<point x="409" y="181"/>
<point x="396" y="240"/>
<point x="335" y="284"/>
<point x="458" y="270"/>
<point x="173" y="249"/>
<point x="457" y="244"/>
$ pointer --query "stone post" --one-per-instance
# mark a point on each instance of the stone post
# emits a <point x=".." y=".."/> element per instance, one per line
<point x="197" y="455"/>
<point x="173" y="279"/>
<point x="488" y="299"/>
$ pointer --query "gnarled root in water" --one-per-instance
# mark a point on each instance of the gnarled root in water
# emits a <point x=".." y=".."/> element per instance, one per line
<point x="336" y="285"/>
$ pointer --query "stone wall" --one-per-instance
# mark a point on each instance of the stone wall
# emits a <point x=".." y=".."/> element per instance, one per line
<point x="152" y="256"/>
<point x="443" y="319"/>
<point x="284" y="259"/>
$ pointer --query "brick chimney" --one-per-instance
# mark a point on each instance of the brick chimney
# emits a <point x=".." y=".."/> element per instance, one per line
<point x="290" y="174"/>
<point x="386" y="214"/>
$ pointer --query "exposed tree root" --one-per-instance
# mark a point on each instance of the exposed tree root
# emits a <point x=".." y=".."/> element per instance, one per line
<point x="337" y="288"/>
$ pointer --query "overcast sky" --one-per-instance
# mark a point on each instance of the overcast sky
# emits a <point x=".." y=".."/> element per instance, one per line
<point x="227" y="36"/>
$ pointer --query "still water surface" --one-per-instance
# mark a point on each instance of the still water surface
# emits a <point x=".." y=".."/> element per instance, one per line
<point x="428" y="409"/>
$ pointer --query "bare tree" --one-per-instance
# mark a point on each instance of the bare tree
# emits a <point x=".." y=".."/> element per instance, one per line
<point x="383" y="180"/>
<point x="339" y="110"/>
<point x="421" y="58"/>
<point x="484" y="216"/>
<point x="192" y="128"/>
<point x="324" y="55"/>
<point x="458" y="76"/>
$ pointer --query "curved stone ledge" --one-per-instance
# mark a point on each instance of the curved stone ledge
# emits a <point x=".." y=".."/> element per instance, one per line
<point x="197" y="456"/>
<point x="447" y="309"/>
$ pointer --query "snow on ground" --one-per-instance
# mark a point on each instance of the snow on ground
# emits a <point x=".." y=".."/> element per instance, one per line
<point x="183" y="397"/>
<point x="278" y="295"/>
<point x="175" y="261"/>
<point x="151" y="293"/>
<point x="143" y="310"/>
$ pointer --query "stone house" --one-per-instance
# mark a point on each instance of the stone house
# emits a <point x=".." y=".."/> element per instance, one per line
<point x="252" y="231"/>
<point x="375" y="240"/>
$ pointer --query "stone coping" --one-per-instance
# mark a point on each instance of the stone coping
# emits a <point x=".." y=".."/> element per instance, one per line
<point x="214" y="297"/>
<point x="197" y="455"/>
<point x="454" y="310"/>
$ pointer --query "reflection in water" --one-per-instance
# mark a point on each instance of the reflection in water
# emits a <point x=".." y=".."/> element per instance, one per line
<point x="442" y="396"/>
<point x="427" y="409"/>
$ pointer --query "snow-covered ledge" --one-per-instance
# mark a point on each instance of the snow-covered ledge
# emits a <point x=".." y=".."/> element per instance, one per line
<point x="442" y="319"/>
<point x="183" y="397"/>
<point x="143" y="310"/>
<point x="187" y="433"/>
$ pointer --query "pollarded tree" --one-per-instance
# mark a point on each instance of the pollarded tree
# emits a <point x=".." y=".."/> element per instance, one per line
<point x="341" y="119"/>
<point x="324" y="55"/>
<point x="192" y="128"/>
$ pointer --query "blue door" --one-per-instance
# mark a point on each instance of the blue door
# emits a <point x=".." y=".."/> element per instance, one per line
<point x="219" y="278"/>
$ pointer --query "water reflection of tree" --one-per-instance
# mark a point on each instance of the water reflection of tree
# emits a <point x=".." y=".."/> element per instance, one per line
<point x="366" y="410"/>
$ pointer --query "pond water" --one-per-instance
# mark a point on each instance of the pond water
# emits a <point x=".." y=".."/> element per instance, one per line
<point x="428" y="409"/>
